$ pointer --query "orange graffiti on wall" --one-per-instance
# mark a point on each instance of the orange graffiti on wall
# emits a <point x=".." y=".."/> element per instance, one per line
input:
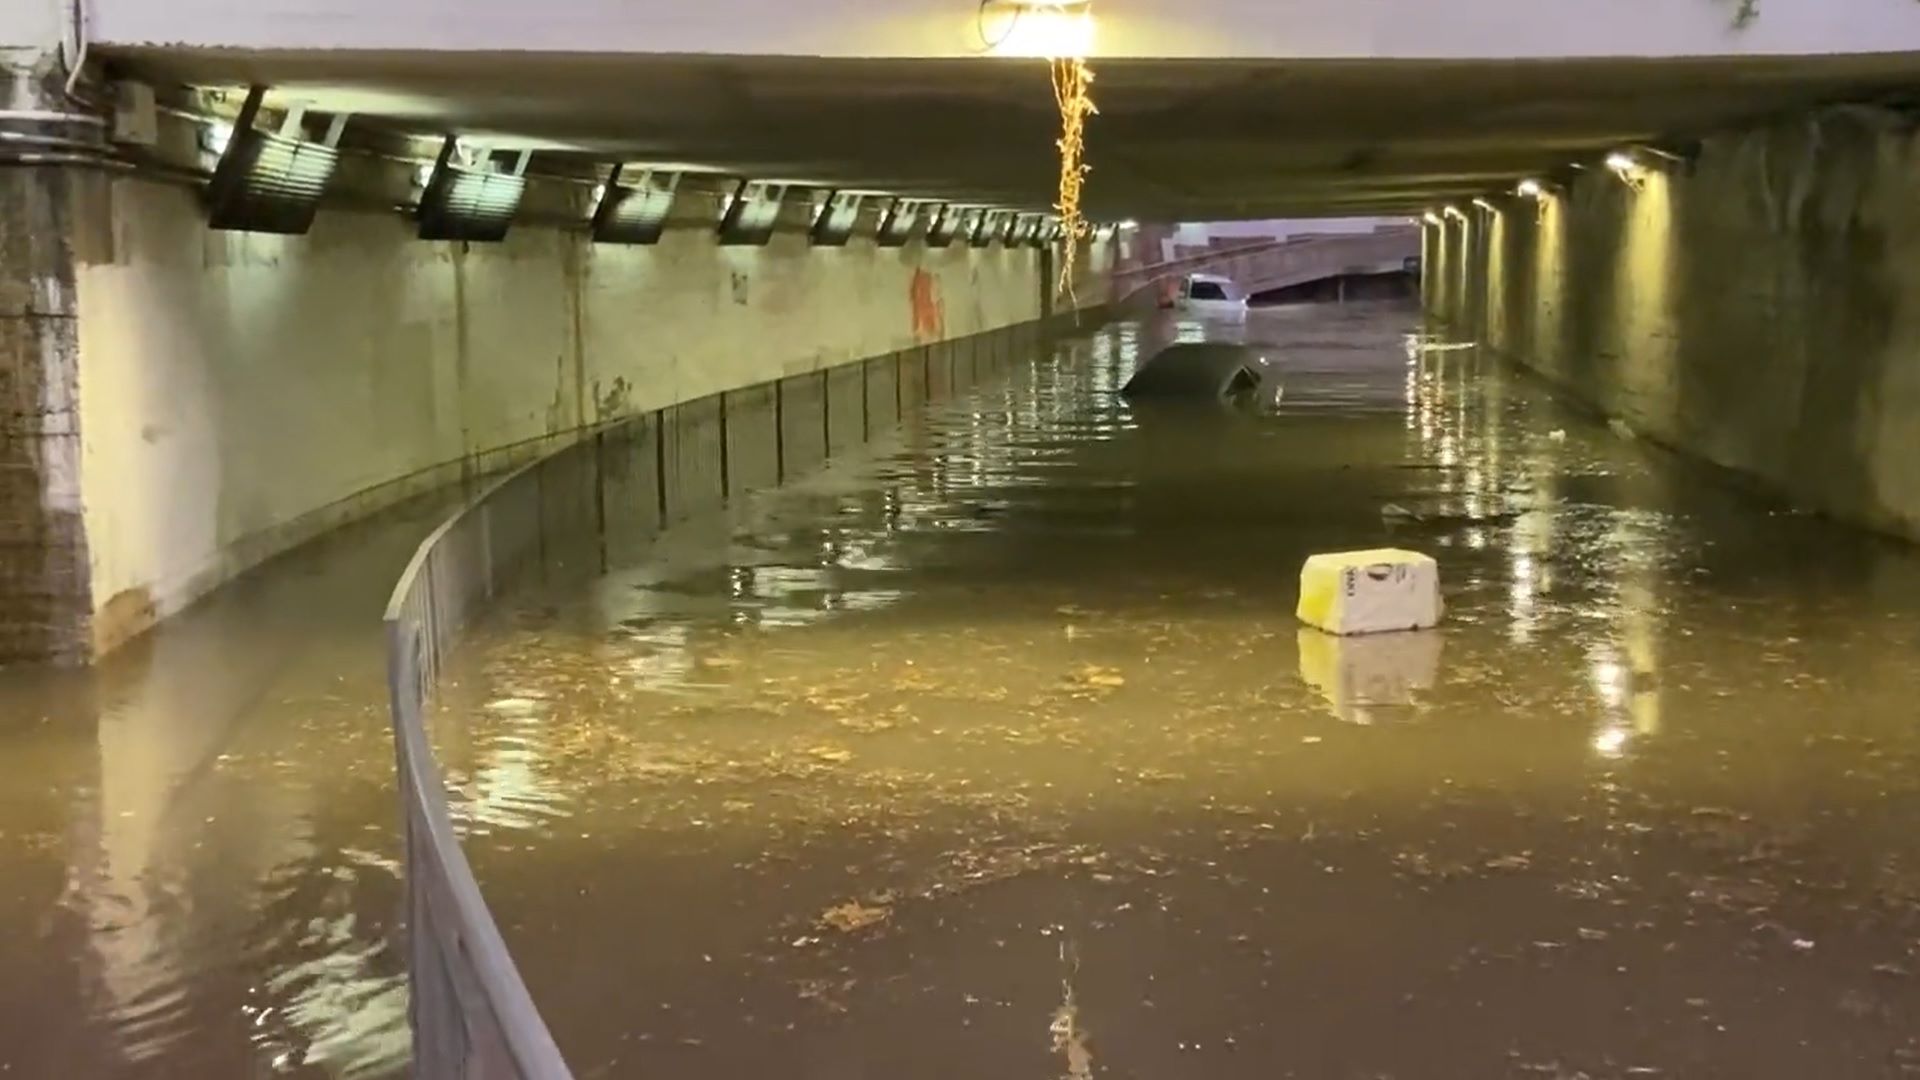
<point x="929" y="311"/>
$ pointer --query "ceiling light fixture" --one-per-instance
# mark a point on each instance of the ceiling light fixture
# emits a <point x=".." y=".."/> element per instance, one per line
<point x="1039" y="29"/>
<point x="215" y="137"/>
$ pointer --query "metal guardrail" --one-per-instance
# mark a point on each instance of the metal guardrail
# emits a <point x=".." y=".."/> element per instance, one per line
<point x="471" y="1013"/>
<point x="1276" y="264"/>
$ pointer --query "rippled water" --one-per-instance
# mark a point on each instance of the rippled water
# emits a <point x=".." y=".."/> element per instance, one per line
<point x="198" y="840"/>
<point x="998" y="752"/>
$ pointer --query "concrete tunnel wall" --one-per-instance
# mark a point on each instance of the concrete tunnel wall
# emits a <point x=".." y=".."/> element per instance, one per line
<point x="241" y="393"/>
<point x="1759" y="308"/>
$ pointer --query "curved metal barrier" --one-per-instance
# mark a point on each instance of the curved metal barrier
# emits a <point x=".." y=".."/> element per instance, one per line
<point x="471" y="1013"/>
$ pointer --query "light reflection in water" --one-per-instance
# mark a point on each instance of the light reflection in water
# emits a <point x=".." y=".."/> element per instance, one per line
<point x="1078" y="687"/>
<point x="229" y="883"/>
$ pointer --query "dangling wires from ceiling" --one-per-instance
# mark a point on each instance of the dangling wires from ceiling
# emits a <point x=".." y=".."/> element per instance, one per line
<point x="1072" y="84"/>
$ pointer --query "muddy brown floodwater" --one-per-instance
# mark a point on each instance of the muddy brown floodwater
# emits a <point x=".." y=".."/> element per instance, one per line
<point x="998" y="752"/>
<point x="198" y="839"/>
<point x="995" y="751"/>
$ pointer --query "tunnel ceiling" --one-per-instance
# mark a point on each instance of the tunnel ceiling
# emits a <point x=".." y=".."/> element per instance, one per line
<point x="1175" y="140"/>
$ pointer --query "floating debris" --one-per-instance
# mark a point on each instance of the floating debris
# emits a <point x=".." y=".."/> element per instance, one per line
<point x="854" y="915"/>
<point x="1092" y="676"/>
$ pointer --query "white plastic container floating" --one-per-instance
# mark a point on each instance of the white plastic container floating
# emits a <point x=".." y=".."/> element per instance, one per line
<point x="1370" y="592"/>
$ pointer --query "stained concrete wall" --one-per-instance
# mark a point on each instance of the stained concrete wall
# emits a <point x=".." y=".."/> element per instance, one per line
<point x="43" y="546"/>
<point x="1758" y="308"/>
<point x="240" y="393"/>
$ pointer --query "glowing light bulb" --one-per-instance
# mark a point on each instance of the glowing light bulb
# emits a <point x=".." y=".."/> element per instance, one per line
<point x="1053" y="29"/>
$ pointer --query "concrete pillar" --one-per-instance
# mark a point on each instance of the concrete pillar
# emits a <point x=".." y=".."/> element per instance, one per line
<point x="45" y="595"/>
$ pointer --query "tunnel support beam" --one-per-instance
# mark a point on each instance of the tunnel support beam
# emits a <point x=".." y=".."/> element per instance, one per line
<point x="45" y="592"/>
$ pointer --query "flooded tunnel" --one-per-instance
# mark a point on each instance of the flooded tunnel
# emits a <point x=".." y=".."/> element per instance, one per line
<point x="659" y="572"/>
<point x="999" y="749"/>
<point x="995" y="746"/>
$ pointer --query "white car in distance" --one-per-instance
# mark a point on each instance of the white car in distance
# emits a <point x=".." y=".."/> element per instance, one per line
<point x="1210" y="296"/>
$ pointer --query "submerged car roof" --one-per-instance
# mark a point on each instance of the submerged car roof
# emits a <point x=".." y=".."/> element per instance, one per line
<point x="1200" y="370"/>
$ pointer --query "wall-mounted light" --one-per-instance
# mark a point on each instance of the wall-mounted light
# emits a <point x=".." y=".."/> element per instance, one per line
<point x="269" y="181"/>
<point x="1129" y="225"/>
<point x="1053" y="29"/>
<point x="216" y="137"/>
<point x="835" y="218"/>
<point x="468" y="196"/>
<point x="1530" y="189"/>
<point x="949" y="222"/>
<point x="1628" y="168"/>
<point x="902" y="217"/>
<point x="988" y="227"/>
<point x="750" y="213"/>
<point x="636" y="212"/>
